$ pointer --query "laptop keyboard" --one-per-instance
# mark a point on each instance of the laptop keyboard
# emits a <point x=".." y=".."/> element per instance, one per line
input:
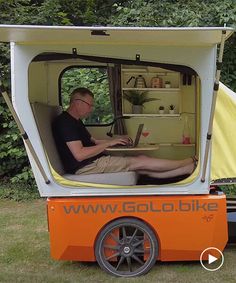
<point x="122" y="146"/>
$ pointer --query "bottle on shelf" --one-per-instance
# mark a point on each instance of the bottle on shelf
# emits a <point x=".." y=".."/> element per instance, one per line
<point x="186" y="131"/>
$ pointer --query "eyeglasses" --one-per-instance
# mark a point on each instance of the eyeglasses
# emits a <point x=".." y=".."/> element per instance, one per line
<point x="90" y="105"/>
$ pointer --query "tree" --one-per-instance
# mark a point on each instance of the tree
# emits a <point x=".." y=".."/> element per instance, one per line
<point x="14" y="161"/>
<point x="179" y="13"/>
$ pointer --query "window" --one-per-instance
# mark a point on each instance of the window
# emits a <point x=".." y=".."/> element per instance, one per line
<point x="96" y="80"/>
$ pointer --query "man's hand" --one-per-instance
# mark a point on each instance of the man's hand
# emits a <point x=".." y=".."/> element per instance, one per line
<point x="117" y="140"/>
<point x="126" y="138"/>
<point x="122" y="141"/>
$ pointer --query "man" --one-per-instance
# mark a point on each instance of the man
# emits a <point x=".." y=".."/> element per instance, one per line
<point x="83" y="154"/>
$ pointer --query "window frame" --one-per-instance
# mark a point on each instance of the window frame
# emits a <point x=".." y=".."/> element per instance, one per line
<point x="60" y="90"/>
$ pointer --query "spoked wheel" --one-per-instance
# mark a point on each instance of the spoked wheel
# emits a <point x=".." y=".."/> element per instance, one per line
<point x="126" y="247"/>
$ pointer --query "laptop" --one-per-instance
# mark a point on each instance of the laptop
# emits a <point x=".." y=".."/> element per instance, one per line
<point x="136" y="141"/>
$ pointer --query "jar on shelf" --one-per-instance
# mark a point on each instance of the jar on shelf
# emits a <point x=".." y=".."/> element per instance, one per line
<point x="156" y="82"/>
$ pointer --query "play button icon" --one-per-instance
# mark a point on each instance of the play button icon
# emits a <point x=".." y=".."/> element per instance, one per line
<point x="212" y="259"/>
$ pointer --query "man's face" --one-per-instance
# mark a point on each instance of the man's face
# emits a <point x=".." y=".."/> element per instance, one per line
<point x="84" y="105"/>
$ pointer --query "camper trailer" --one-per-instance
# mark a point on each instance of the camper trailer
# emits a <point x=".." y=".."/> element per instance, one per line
<point x="122" y="220"/>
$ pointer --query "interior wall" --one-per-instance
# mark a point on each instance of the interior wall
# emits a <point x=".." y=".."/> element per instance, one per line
<point x="38" y="80"/>
<point x="166" y="131"/>
<point x="43" y="82"/>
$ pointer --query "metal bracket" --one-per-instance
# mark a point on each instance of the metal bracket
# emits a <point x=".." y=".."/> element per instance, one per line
<point x="137" y="57"/>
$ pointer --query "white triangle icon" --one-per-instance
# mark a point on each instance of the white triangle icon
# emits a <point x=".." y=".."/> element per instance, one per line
<point x="211" y="259"/>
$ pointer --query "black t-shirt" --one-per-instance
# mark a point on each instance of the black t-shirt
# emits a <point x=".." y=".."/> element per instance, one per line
<point x="66" y="128"/>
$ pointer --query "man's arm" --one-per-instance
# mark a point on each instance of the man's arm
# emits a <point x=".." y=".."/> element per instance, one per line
<point x="81" y="152"/>
<point x="99" y="141"/>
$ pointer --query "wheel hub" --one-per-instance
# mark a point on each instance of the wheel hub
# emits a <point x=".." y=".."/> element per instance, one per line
<point x="126" y="250"/>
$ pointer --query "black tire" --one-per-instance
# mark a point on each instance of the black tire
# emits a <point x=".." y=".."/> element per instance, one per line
<point x="131" y="245"/>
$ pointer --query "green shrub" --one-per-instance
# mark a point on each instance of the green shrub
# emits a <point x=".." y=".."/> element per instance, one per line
<point x="20" y="191"/>
<point x="229" y="190"/>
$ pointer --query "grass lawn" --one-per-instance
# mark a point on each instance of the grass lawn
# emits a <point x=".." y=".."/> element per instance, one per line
<point x="25" y="257"/>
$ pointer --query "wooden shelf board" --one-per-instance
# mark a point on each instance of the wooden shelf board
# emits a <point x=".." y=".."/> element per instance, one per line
<point x="185" y="145"/>
<point x="151" y="115"/>
<point x="152" y="89"/>
<point x="158" y="72"/>
<point x="177" y="144"/>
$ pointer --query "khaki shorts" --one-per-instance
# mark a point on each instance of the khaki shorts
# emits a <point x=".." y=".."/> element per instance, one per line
<point x="105" y="164"/>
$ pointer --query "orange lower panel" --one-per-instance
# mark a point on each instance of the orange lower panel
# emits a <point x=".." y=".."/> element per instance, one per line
<point x="83" y="253"/>
<point x="184" y="225"/>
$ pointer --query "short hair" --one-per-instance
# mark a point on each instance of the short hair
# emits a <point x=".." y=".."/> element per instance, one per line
<point x="83" y="91"/>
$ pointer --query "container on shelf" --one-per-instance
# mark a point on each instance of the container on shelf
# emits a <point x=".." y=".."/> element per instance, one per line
<point x="137" y="109"/>
<point x="140" y="82"/>
<point x="156" y="82"/>
<point x="161" y="109"/>
<point x="171" y="109"/>
<point x="167" y="84"/>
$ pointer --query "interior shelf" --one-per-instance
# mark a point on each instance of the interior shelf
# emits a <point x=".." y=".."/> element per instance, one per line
<point x="177" y="144"/>
<point x="137" y="71"/>
<point x="152" y="89"/>
<point x="182" y="144"/>
<point x="151" y="115"/>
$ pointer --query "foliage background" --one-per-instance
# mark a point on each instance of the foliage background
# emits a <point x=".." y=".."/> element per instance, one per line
<point x="95" y="79"/>
<point x="157" y="13"/>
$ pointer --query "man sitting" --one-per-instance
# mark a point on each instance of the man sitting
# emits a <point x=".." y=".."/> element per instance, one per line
<point x="83" y="154"/>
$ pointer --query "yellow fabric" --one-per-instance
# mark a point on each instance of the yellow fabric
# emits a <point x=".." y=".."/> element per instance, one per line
<point x="224" y="135"/>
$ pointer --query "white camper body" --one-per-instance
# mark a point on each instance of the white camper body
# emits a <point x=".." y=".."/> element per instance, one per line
<point x="33" y="81"/>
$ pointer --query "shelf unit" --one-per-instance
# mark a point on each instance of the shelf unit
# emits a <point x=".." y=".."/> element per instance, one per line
<point x="166" y="96"/>
<point x="166" y="128"/>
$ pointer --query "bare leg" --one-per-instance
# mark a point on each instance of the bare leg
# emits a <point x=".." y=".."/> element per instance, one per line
<point x="187" y="169"/>
<point x="143" y="162"/>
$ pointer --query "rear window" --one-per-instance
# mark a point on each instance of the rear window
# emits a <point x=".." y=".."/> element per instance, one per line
<point x="96" y="80"/>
